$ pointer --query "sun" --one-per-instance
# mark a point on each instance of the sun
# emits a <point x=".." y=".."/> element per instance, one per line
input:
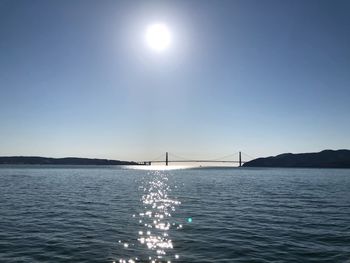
<point x="158" y="37"/>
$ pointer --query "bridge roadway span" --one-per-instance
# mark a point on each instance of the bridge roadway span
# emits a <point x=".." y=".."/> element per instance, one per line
<point x="166" y="161"/>
<point x="195" y="161"/>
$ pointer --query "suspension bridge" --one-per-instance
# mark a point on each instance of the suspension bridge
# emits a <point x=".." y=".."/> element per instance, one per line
<point x="236" y="158"/>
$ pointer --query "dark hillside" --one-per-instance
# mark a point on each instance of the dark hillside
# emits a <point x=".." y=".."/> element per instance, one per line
<point x="63" y="161"/>
<point x="324" y="159"/>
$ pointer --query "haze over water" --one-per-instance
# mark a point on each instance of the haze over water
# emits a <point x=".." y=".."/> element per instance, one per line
<point x="106" y="214"/>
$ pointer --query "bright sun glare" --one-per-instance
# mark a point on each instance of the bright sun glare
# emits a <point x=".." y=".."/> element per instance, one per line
<point x="158" y="37"/>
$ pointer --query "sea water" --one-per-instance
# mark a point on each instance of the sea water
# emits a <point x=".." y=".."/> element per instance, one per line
<point x="116" y="214"/>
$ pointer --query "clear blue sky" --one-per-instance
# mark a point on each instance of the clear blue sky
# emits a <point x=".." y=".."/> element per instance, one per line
<point x="264" y="77"/>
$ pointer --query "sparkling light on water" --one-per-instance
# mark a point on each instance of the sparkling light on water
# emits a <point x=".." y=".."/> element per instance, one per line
<point x="155" y="220"/>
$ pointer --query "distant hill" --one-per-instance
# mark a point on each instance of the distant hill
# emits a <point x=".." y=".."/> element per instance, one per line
<point x="324" y="159"/>
<point x="65" y="161"/>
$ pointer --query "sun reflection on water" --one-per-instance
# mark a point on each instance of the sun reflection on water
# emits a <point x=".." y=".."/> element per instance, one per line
<point x="155" y="221"/>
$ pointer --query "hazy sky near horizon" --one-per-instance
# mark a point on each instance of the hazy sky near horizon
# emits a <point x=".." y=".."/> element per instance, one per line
<point x="263" y="77"/>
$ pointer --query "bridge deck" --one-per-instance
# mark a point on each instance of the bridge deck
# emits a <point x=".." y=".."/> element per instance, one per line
<point x="195" y="161"/>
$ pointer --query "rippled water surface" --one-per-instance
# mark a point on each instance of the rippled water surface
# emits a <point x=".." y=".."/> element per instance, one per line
<point x="106" y="214"/>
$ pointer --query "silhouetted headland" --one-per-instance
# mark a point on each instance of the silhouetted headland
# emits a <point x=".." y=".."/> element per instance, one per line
<point x="61" y="161"/>
<point x="323" y="159"/>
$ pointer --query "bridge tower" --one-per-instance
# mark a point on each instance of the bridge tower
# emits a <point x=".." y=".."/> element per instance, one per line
<point x="166" y="159"/>
<point x="240" y="159"/>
